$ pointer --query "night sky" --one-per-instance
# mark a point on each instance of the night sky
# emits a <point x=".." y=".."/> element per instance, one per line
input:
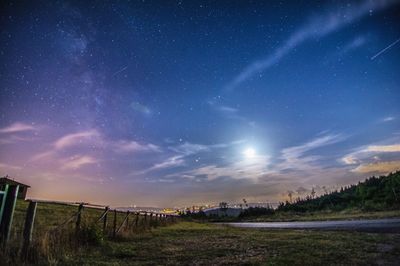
<point x="172" y="103"/>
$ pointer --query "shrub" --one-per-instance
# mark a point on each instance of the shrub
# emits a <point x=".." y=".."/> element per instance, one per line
<point x="91" y="235"/>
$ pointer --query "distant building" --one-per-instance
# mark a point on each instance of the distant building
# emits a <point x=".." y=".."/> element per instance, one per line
<point x="221" y="212"/>
<point x="23" y="188"/>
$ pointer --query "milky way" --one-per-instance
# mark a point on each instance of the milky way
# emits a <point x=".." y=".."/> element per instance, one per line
<point x="172" y="103"/>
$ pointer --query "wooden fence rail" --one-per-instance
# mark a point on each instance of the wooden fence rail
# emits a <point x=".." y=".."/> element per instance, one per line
<point x="9" y="201"/>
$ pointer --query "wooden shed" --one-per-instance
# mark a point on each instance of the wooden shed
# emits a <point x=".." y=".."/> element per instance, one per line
<point x="23" y="188"/>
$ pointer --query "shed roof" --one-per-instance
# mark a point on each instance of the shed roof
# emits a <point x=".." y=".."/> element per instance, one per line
<point x="6" y="180"/>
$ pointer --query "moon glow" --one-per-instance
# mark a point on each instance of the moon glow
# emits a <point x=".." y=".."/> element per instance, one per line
<point x="249" y="153"/>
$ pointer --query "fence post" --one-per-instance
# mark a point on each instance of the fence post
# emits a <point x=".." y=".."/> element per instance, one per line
<point x="151" y="220"/>
<point x="105" y="220"/>
<point x="127" y="220"/>
<point x="115" y="224"/>
<point x="79" y="218"/>
<point x="28" y="227"/>
<point x="123" y="222"/>
<point x="9" y="206"/>
<point x="137" y="219"/>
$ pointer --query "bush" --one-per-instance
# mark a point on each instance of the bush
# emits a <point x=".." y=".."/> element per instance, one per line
<point x="91" y="235"/>
<point x="256" y="211"/>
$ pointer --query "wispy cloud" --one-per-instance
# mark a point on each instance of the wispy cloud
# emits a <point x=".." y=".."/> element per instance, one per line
<point x="13" y="138"/>
<point x="124" y="146"/>
<point x="188" y="148"/>
<point x="374" y="159"/>
<point x="78" y="161"/>
<point x="141" y="108"/>
<point x="216" y="104"/>
<point x="349" y="159"/>
<point x="178" y="158"/>
<point x="367" y="152"/>
<point x="355" y="43"/>
<point x="229" y="112"/>
<point x="18" y="127"/>
<point x="7" y="167"/>
<point x="388" y="119"/>
<point x="378" y="167"/>
<point x="43" y="155"/>
<point x="241" y="169"/>
<point x="227" y="109"/>
<point x="95" y="137"/>
<point x="383" y="148"/>
<point x="75" y="138"/>
<point x="168" y="163"/>
<point x="301" y="159"/>
<point x="76" y="150"/>
<point x="67" y="141"/>
<point x="292" y="154"/>
<point x="316" y="27"/>
<point x="182" y="151"/>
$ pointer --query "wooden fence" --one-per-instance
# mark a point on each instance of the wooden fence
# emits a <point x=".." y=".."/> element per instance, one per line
<point x="8" y="201"/>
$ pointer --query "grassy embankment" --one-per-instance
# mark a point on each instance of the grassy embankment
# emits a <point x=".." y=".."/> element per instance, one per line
<point x="325" y="215"/>
<point x="199" y="243"/>
<point x="206" y="244"/>
<point x="375" y="197"/>
<point x="53" y="243"/>
<point x="352" y="214"/>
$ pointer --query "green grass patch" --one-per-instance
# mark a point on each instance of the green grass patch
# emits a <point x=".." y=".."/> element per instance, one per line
<point x="56" y="242"/>
<point x="349" y="214"/>
<point x="207" y="244"/>
<point x="198" y="243"/>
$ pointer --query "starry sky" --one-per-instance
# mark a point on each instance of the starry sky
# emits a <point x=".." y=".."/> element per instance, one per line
<point x="172" y="103"/>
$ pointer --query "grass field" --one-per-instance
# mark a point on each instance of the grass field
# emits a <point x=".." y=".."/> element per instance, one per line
<point x="210" y="244"/>
<point x="351" y="214"/>
<point x="49" y="216"/>
<point x="52" y="243"/>
<point x="207" y="244"/>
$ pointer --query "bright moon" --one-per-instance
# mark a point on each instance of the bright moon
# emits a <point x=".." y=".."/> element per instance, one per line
<point x="249" y="153"/>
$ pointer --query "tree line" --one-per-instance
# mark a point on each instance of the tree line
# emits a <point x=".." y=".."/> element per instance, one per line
<point x="373" y="194"/>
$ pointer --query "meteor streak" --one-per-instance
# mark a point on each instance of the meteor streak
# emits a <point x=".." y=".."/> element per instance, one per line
<point x="384" y="50"/>
<point x="119" y="71"/>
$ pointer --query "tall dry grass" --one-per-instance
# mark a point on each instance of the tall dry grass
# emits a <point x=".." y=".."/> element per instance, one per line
<point x="52" y="244"/>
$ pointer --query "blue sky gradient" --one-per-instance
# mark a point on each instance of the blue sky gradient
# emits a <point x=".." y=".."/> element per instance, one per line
<point x="156" y="102"/>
